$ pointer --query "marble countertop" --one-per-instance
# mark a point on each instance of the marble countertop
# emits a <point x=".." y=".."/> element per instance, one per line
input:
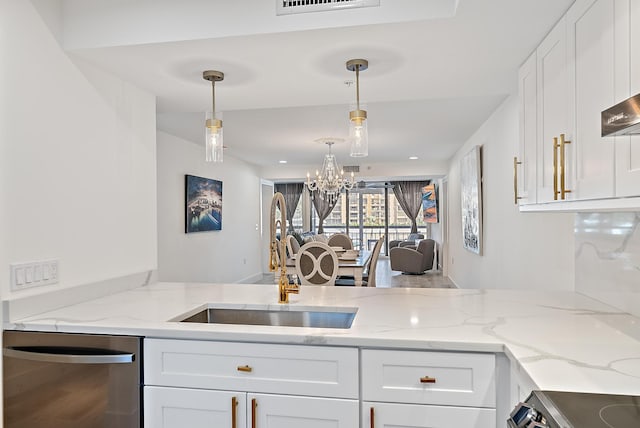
<point x="562" y="340"/>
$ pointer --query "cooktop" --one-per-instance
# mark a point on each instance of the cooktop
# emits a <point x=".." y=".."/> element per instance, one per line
<point x="555" y="409"/>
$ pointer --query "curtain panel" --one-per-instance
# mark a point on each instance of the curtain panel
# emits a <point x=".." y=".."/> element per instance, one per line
<point x="291" y="193"/>
<point x="409" y="196"/>
<point x="323" y="208"/>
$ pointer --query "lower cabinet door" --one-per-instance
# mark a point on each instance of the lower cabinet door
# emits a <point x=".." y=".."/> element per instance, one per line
<point x="194" y="408"/>
<point x="390" y="415"/>
<point x="286" y="411"/>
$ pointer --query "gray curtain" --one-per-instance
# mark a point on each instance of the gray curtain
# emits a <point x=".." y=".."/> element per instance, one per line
<point x="323" y="208"/>
<point x="291" y="193"/>
<point x="409" y="196"/>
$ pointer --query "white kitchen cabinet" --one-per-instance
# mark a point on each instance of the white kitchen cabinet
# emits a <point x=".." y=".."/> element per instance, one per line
<point x="593" y="55"/>
<point x="322" y="371"/>
<point x="553" y="112"/>
<point x="393" y="415"/>
<point x="430" y="389"/>
<point x="279" y="411"/>
<point x="587" y="63"/>
<point x="167" y="407"/>
<point x="628" y="79"/>
<point x="268" y="385"/>
<point x="195" y="408"/>
<point x="525" y="161"/>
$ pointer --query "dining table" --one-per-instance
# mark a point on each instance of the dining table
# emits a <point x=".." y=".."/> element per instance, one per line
<point x="346" y="266"/>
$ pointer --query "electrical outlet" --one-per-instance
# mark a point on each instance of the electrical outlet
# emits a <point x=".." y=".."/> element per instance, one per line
<point x="33" y="274"/>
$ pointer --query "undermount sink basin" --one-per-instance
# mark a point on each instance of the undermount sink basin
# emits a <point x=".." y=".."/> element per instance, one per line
<point x="316" y="317"/>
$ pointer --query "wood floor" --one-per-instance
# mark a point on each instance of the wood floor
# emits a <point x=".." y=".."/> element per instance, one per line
<point x="386" y="278"/>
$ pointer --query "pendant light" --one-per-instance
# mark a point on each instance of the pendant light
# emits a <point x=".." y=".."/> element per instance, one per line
<point x="214" y="140"/>
<point x="358" y="134"/>
<point x="330" y="181"/>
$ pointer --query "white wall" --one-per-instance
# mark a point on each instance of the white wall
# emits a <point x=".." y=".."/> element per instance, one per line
<point x="521" y="250"/>
<point x="78" y="160"/>
<point x="230" y="255"/>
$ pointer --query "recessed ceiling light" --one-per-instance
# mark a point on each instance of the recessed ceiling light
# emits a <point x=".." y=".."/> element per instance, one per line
<point x="283" y="161"/>
<point x="413" y="157"/>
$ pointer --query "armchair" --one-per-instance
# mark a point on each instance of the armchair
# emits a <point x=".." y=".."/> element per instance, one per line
<point x="413" y="261"/>
<point x="411" y="240"/>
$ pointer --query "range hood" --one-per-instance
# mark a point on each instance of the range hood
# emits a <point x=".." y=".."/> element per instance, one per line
<point x="622" y="118"/>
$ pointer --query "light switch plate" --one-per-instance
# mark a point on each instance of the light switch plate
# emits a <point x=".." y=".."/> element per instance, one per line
<point x="33" y="274"/>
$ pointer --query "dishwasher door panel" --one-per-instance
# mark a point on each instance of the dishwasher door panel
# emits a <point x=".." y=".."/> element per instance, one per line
<point x="71" y="380"/>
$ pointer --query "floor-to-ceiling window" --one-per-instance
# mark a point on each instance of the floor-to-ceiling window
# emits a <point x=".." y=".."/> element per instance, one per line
<point x="366" y="214"/>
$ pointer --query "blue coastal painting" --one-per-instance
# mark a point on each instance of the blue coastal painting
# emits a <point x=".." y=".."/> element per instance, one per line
<point x="203" y="202"/>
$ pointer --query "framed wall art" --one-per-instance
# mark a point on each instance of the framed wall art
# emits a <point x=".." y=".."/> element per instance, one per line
<point x="471" y="192"/>
<point x="203" y="204"/>
<point x="430" y="203"/>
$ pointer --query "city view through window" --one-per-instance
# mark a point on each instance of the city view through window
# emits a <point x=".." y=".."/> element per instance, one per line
<point x="365" y="215"/>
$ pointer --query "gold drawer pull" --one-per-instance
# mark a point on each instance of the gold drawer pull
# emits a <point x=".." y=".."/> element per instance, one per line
<point x="427" y="379"/>
<point x="563" y="168"/>
<point x="234" y="405"/>
<point x="245" y="368"/>
<point x="515" y="180"/>
<point x="254" y="404"/>
<point x="556" y="146"/>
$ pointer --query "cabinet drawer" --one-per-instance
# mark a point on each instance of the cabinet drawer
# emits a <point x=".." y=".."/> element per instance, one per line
<point x="286" y="369"/>
<point x="388" y="415"/>
<point x="447" y="378"/>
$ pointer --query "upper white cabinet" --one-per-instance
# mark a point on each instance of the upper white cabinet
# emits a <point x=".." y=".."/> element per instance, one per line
<point x="628" y="84"/>
<point x="553" y="111"/>
<point x="593" y="56"/>
<point x="524" y="167"/>
<point x="587" y="63"/>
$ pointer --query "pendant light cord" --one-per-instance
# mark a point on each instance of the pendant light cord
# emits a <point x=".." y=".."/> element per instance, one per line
<point x="213" y="97"/>
<point x="358" y="86"/>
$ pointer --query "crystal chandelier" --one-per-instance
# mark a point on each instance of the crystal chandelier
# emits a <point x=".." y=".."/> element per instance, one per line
<point x="330" y="181"/>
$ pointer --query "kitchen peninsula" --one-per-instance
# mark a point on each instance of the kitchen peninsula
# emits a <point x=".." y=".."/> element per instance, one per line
<point x="541" y="339"/>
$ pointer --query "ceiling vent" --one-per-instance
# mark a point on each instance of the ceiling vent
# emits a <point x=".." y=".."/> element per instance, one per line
<point x="287" y="7"/>
<point x="351" y="168"/>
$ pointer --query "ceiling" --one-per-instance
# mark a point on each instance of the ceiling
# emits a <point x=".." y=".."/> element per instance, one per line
<point x="430" y="84"/>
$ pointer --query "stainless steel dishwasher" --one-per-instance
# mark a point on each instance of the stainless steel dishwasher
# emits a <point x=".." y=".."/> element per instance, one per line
<point x="71" y="380"/>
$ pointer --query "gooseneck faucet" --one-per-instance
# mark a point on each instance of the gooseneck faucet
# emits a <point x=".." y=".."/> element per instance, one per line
<point x="277" y="256"/>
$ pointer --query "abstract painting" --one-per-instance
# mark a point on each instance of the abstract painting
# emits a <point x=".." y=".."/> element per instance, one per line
<point x="203" y="203"/>
<point x="430" y="203"/>
<point x="471" y="191"/>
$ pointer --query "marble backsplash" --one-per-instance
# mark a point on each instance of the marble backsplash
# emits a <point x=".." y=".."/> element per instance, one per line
<point x="607" y="259"/>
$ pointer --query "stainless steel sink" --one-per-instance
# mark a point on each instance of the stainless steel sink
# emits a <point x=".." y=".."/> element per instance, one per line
<point x="320" y="318"/>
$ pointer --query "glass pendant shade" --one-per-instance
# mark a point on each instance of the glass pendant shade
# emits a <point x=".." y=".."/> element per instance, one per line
<point x="213" y="139"/>
<point x="358" y="133"/>
<point x="358" y="136"/>
<point x="213" y="125"/>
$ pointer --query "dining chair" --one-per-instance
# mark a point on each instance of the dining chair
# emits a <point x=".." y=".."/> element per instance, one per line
<point x="293" y="246"/>
<point x="316" y="264"/>
<point x="340" y="240"/>
<point x="369" y="274"/>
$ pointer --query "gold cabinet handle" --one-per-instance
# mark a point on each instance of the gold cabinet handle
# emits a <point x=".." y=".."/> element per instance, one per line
<point x="555" y="168"/>
<point x="234" y="404"/>
<point x="254" y="404"/>
<point x="515" y="180"/>
<point x="245" y="368"/>
<point x="563" y="167"/>
<point x="427" y="379"/>
<point x="371" y="418"/>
